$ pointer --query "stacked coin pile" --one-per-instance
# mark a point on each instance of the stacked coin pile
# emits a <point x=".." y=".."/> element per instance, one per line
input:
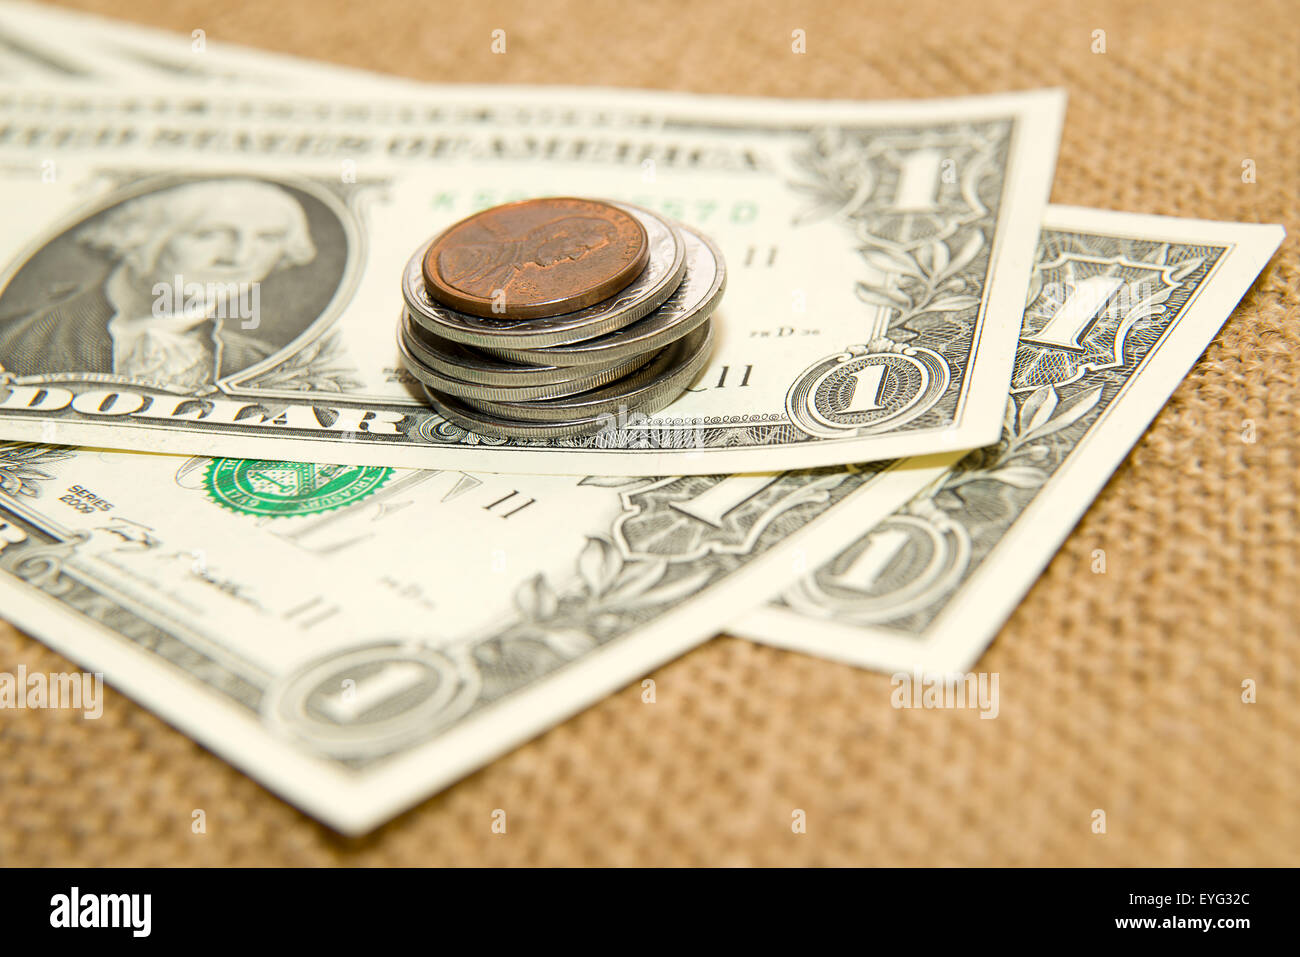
<point x="553" y="317"/>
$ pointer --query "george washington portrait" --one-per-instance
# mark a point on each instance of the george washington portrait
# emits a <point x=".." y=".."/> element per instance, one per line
<point x="183" y="284"/>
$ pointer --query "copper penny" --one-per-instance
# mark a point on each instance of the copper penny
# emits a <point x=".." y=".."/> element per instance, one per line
<point x="535" y="258"/>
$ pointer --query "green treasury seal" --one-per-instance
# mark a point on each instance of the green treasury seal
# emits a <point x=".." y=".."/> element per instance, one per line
<point x="262" y="487"/>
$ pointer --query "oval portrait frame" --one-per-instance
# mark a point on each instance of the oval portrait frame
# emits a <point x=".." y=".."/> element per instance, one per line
<point x="134" y="184"/>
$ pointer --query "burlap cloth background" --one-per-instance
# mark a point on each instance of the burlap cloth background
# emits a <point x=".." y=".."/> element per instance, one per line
<point x="1120" y="691"/>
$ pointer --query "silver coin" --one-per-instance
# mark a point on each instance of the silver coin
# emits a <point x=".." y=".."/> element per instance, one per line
<point x="469" y="365"/>
<point x="667" y="374"/>
<point x="584" y="381"/>
<point x="662" y="274"/>
<point x="488" y="424"/>
<point x="480" y="423"/>
<point x="689" y="305"/>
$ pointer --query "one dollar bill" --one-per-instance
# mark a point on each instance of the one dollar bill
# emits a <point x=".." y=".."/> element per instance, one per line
<point x="357" y="637"/>
<point x="876" y="253"/>
<point x="1119" y="308"/>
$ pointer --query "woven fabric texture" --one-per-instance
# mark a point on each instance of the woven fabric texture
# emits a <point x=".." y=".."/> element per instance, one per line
<point x="1119" y="691"/>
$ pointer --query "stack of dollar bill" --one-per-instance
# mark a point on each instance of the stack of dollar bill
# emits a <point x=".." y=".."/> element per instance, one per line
<point x="919" y="378"/>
